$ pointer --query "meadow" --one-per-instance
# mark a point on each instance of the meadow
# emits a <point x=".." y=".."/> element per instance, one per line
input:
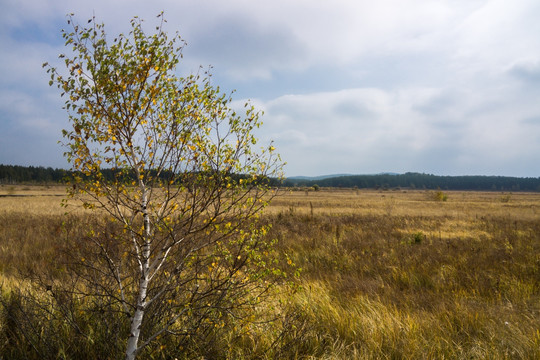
<point x="382" y="274"/>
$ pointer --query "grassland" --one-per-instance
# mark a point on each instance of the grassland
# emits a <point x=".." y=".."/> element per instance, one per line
<point x="384" y="274"/>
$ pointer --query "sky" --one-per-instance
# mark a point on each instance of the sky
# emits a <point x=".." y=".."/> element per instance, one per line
<point x="445" y="87"/>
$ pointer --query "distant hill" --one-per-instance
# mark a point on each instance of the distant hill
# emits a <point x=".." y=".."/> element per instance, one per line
<point x="421" y="181"/>
<point x="321" y="177"/>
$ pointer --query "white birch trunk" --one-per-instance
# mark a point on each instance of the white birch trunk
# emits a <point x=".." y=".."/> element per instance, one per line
<point x="136" y="320"/>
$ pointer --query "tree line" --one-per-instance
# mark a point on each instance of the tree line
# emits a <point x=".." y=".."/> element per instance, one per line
<point x="422" y="181"/>
<point x="14" y="174"/>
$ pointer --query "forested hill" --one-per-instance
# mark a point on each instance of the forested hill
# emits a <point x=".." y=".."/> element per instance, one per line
<point x="423" y="181"/>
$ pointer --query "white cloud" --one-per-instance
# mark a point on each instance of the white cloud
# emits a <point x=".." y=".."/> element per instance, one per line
<point x="369" y="130"/>
<point x="444" y="86"/>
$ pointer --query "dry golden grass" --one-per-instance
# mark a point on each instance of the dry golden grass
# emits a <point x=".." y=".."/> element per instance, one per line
<point x="396" y="274"/>
<point x="385" y="274"/>
<point x="407" y="202"/>
<point x="26" y="199"/>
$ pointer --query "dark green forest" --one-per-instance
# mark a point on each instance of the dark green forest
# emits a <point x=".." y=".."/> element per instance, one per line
<point x="14" y="174"/>
<point x="422" y="181"/>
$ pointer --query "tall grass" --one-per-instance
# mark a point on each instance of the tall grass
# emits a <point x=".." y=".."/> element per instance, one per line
<point x="384" y="275"/>
<point x="392" y="287"/>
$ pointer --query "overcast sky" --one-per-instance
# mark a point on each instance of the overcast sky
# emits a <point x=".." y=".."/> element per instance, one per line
<point x="448" y="87"/>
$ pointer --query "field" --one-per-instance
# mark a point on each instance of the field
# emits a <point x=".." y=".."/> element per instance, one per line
<point x="383" y="274"/>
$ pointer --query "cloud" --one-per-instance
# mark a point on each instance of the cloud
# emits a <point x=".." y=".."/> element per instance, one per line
<point x="347" y="86"/>
<point x="30" y="111"/>
<point x="337" y="128"/>
<point x="527" y="71"/>
<point x="29" y="131"/>
<point x="243" y="49"/>
<point x="413" y="129"/>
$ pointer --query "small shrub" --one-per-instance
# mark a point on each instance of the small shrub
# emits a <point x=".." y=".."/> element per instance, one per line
<point x="417" y="237"/>
<point x="438" y="196"/>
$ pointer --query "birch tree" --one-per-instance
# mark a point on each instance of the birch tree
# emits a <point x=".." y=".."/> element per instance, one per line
<point x="177" y="178"/>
